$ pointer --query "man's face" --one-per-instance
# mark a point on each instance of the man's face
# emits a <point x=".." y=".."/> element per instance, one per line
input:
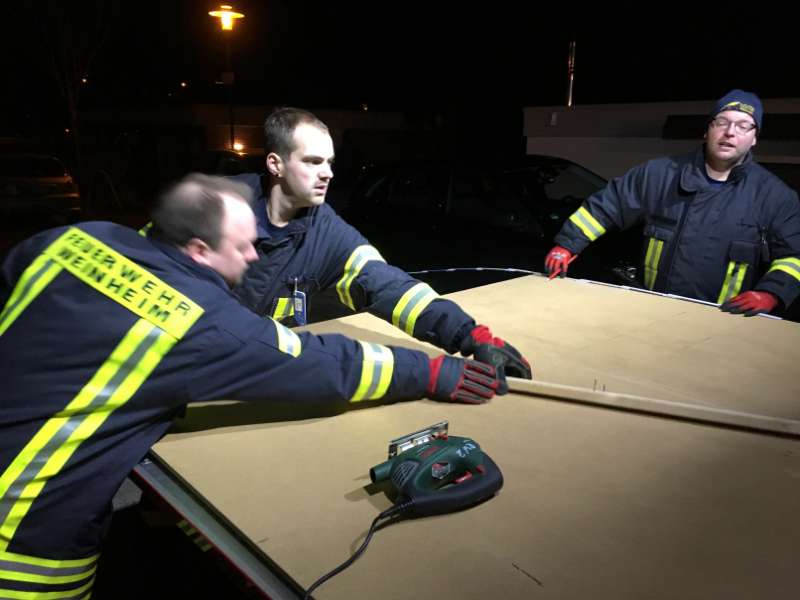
<point x="305" y="176"/>
<point x="235" y="251"/>
<point x="726" y="138"/>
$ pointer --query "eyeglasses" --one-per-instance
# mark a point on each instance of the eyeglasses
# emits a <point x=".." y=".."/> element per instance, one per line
<point x="741" y="127"/>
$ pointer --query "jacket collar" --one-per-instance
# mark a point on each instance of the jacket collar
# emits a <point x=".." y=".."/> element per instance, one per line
<point x="297" y="226"/>
<point x="693" y="174"/>
<point x="196" y="269"/>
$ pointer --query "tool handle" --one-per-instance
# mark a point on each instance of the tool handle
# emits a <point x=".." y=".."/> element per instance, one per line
<point x="471" y="491"/>
<point x="555" y="273"/>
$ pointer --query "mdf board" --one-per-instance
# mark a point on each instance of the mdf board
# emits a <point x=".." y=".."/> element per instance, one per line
<point x="597" y="503"/>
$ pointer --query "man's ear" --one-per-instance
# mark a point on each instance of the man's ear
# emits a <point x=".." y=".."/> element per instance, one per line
<point x="198" y="251"/>
<point x="274" y="165"/>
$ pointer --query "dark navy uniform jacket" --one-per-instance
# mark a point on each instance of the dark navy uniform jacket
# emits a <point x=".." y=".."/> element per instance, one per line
<point x="317" y="250"/>
<point x="701" y="240"/>
<point x="104" y="335"/>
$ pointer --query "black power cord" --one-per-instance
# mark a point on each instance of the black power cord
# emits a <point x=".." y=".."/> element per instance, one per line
<point x="389" y="512"/>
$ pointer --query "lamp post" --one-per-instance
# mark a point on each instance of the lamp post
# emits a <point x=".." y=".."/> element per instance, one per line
<point x="227" y="17"/>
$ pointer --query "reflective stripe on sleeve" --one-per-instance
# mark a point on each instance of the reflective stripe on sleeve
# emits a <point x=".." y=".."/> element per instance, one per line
<point x="376" y="372"/>
<point x="360" y="257"/>
<point x="734" y="278"/>
<point x="410" y="305"/>
<point x="787" y="265"/>
<point x="288" y="341"/>
<point x="651" y="260"/>
<point x="590" y="226"/>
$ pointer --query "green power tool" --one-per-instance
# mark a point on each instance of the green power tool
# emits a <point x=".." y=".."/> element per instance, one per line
<point x="432" y="473"/>
<point x="435" y="473"/>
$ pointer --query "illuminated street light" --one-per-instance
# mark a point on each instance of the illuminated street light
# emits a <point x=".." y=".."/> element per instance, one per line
<point x="227" y="17"/>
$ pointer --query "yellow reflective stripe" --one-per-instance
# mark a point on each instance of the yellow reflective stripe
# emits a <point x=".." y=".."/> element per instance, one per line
<point x="737" y="286"/>
<point x="360" y="257"/>
<point x="124" y="281"/>
<point x="19" y="567"/>
<point x="787" y="265"/>
<point x="186" y="527"/>
<point x="651" y="260"/>
<point x="34" y="279"/>
<point x="74" y="593"/>
<point x="590" y="226"/>
<point x="735" y="275"/>
<point x="48" y="563"/>
<point x="196" y="537"/>
<point x="114" y="383"/>
<point x="145" y="231"/>
<point x="288" y="340"/>
<point x="284" y="307"/>
<point x="46" y="579"/>
<point x="410" y="305"/>
<point x="376" y="372"/>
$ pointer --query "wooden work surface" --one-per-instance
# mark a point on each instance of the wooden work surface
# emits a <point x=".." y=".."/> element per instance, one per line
<point x="596" y="504"/>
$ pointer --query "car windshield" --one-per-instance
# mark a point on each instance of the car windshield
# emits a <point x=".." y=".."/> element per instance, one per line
<point x="556" y="181"/>
<point x="31" y="166"/>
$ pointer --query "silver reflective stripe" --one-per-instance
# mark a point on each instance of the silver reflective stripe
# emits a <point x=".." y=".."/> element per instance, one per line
<point x="62" y="435"/>
<point x="412" y="302"/>
<point x="22" y="567"/>
<point x="790" y="265"/>
<point x="590" y="226"/>
<point x="377" y="370"/>
<point x="288" y="341"/>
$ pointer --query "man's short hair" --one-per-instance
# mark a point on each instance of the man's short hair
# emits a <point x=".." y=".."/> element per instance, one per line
<point x="279" y="129"/>
<point x="194" y="208"/>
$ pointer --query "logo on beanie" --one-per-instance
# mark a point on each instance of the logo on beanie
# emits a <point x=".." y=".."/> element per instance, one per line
<point x="740" y="106"/>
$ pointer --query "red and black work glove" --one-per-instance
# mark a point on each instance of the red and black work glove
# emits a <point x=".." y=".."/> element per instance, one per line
<point x="750" y="303"/>
<point x="485" y="348"/>
<point x="557" y="261"/>
<point x="459" y="380"/>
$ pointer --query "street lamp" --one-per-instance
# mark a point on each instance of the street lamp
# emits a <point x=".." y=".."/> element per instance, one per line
<point x="227" y="17"/>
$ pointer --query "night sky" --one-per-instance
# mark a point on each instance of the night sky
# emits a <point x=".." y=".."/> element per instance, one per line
<point x="405" y="56"/>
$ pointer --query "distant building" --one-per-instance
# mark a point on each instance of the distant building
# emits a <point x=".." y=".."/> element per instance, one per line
<point x="609" y="139"/>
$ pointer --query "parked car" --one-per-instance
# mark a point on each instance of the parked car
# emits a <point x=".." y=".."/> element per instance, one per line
<point x="37" y="185"/>
<point x="528" y="200"/>
<point x="430" y="214"/>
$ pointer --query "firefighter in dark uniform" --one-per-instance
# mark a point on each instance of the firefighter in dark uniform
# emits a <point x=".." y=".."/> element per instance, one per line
<point x="718" y="227"/>
<point x="106" y="334"/>
<point x="305" y="247"/>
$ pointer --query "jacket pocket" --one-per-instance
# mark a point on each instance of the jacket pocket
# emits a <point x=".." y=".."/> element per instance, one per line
<point x="743" y="252"/>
